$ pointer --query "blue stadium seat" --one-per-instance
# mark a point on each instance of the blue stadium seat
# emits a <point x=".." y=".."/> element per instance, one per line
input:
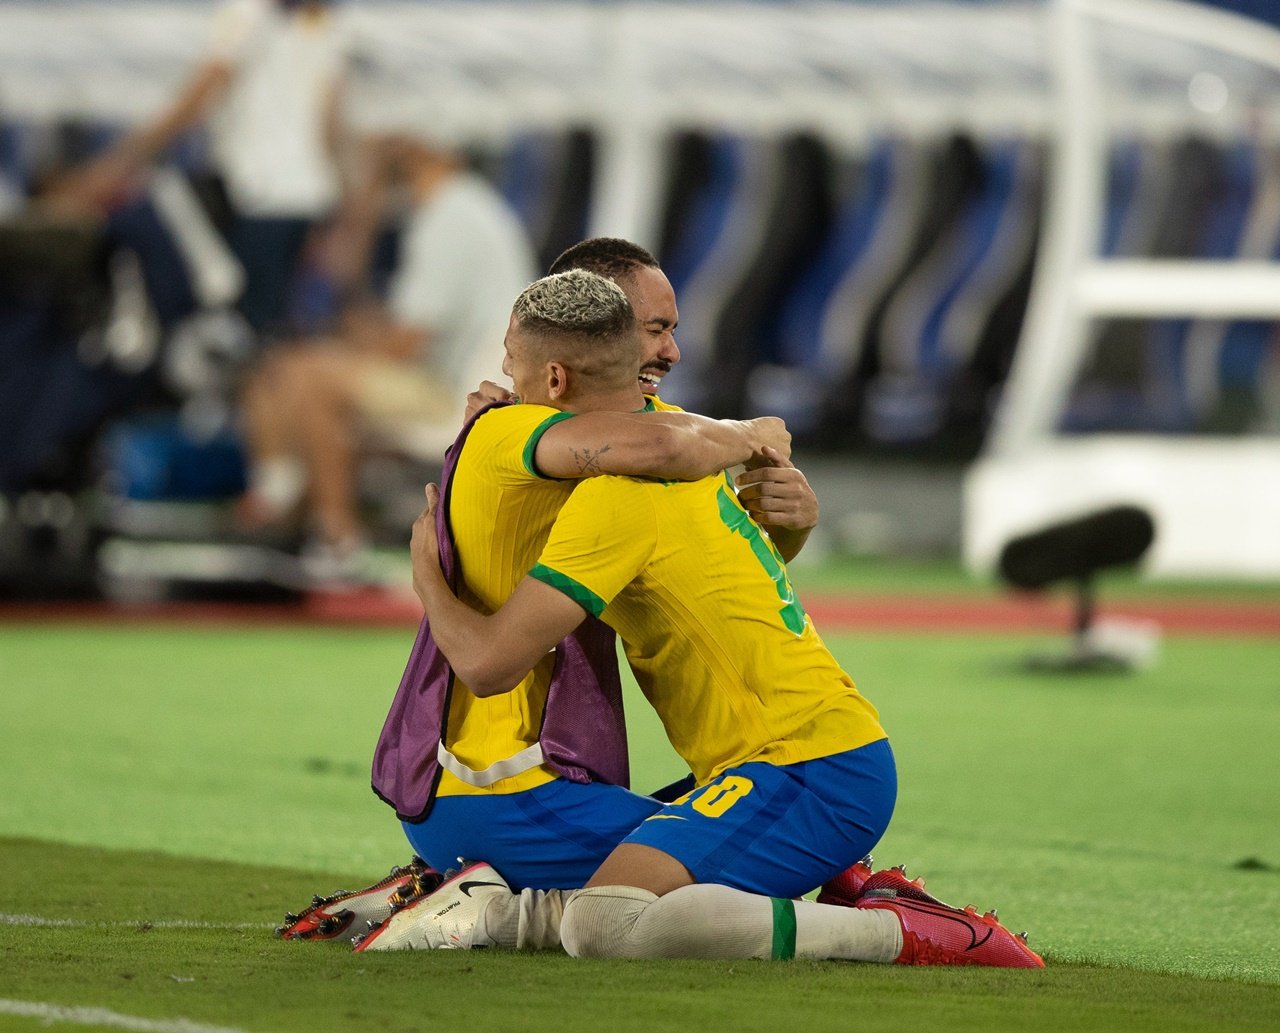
<point x="925" y="345"/>
<point x="710" y="243"/>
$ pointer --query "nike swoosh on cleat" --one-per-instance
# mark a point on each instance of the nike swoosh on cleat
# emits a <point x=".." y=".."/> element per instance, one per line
<point x="465" y="887"/>
<point x="924" y="908"/>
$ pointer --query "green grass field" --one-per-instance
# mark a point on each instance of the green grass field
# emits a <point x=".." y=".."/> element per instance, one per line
<point x="170" y="791"/>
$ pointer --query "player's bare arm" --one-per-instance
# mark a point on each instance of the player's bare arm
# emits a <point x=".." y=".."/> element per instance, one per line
<point x="779" y="499"/>
<point x="675" y="446"/>
<point x="590" y="461"/>
<point x="530" y="624"/>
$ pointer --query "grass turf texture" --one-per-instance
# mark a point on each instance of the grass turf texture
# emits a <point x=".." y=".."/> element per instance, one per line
<point x="230" y="972"/>
<point x="1128" y="822"/>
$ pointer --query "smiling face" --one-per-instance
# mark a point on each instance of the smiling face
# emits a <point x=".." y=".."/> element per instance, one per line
<point x="654" y="303"/>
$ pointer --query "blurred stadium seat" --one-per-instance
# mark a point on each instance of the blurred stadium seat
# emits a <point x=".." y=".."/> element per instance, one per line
<point x="850" y="199"/>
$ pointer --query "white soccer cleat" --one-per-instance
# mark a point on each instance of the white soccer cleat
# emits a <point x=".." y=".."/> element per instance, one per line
<point x="447" y="919"/>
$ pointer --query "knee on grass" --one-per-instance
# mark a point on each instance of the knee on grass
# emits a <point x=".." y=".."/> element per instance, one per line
<point x="698" y="921"/>
<point x="605" y="922"/>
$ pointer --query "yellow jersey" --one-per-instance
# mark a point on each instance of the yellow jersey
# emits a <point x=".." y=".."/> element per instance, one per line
<point x="710" y="623"/>
<point x="500" y="510"/>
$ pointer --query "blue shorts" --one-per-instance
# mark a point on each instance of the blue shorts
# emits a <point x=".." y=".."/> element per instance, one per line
<point x="551" y="837"/>
<point x="780" y="831"/>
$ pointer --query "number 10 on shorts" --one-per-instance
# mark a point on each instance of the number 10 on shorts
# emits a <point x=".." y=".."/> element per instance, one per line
<point x="713" y="800"/>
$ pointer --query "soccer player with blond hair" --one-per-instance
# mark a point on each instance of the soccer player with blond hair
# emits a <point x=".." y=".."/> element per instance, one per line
<point x="794" y="777"/>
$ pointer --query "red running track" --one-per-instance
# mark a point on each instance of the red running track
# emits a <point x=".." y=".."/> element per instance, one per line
<point x="830" y="612"/>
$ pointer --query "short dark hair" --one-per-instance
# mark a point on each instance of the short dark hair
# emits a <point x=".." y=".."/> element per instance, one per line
<point x="610" y="257"/>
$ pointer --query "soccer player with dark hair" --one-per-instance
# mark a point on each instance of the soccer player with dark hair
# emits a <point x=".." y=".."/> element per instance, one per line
<point x="775" y="493"/>
<point x="794" y="777"/>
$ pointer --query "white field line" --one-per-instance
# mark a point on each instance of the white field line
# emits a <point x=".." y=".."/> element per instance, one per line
<point x="74" y="923"/>
<point x="48" y="1014"/>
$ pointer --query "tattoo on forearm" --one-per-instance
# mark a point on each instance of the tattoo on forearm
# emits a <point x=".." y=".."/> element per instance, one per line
<point x="589" y="460"/>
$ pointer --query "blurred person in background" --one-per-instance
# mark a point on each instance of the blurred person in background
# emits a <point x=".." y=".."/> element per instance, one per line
<point x="99" y="262"/>
<point x="392" y="368"/>
<point x="270" y="92"/>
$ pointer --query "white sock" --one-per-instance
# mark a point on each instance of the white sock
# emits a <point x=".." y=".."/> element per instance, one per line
<point x="709" y="921"/>
<point x="278" y="482"/>
<point x="847" y="933"/>
<point x="528" y="920"/>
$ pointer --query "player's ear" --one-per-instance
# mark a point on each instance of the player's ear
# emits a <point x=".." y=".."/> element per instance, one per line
<point x="557" y="380"/>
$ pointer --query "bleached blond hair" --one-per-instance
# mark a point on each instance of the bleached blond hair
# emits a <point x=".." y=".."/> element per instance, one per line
<point x="584" y="321"/>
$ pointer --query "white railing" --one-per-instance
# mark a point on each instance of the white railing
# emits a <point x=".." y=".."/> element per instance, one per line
<point x="1074" y="283"/>
<point x="1216" y="500"/>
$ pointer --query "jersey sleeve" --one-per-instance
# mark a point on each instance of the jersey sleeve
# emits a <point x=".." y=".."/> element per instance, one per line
<point x="529" y="454"/>
<point x="601" y="541"/>
<point x="507" y="440"/>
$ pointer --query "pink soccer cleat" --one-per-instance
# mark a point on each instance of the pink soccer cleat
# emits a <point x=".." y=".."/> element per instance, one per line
<point x="935" y="934"/>
<point x="844" y="889"/>
<point x="855" y="882"/>
<point x="893" y="882"/>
